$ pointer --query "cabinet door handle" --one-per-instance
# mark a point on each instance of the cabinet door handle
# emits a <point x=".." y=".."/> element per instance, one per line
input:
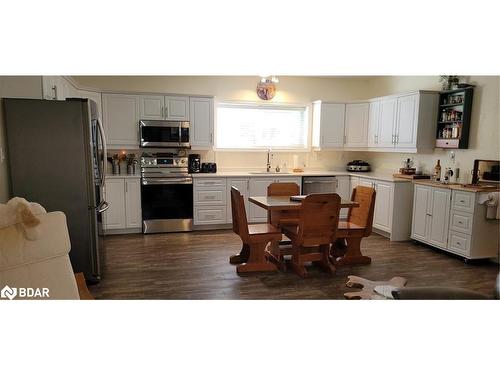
<point x="460" y="222"/>
<point x="462" y="201"/>
<point x="54" y="89"/>
<point x="211" y="137"/>
<point x="166" y="112"/>
<point x="345" y="139"/>
<point x="162" y="111"/>
<point x="397" y="138"/>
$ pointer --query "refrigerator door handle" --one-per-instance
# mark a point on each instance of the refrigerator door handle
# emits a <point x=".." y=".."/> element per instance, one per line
<point x="104" y="151"/>
<point x="103" y="206"/>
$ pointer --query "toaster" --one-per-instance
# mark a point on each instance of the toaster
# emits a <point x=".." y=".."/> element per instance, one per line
<point x="208" y="167"/>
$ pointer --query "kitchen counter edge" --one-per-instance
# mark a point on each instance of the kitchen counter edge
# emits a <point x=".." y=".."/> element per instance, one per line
<point x="369" y="175"/>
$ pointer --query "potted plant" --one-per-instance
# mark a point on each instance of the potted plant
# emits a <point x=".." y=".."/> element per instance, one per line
<point x="449" y="82"/>
<point x="131" y="162"/>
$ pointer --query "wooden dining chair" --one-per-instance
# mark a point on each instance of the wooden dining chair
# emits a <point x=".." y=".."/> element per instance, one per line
<point x="358" y="225"/>
<point x="283" y="189"/>
<point x="255" y="238"/>
<point x="280" y="218"/>
<point x="317" y="229"/>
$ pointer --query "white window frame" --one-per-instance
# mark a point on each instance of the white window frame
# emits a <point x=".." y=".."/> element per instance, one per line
<point x="307" y="107"/>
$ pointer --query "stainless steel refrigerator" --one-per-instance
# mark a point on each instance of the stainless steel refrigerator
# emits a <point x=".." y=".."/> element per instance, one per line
<point x="57" y="157"/>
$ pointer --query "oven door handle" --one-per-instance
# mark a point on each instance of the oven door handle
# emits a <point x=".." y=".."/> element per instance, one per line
<point x="167" y="181"/>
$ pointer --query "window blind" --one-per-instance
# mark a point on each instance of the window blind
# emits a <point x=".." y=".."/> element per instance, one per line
<point x="247" y="126"/>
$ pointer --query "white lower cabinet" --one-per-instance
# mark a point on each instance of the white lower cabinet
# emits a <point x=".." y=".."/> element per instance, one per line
<point x="133" y="212"/>
<point x="124" y="198"/>
<point x="382" y="217"/>
<point x="393" y="204"/>
<point x="209" y="201"/>
<point x="454" y="221"/>
<point x="344" y="190"/>
<point x="114" y="216"/>
<point x="431" y="211"/>
<point x="258" y="187"/>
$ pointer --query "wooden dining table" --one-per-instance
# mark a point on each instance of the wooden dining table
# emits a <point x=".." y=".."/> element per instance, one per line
<point x="277" y="205"/>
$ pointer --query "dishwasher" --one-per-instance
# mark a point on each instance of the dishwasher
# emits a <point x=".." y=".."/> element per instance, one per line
<point x="320" y="184"/>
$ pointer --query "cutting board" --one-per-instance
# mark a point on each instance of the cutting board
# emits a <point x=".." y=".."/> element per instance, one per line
<point x="412" y="176"/>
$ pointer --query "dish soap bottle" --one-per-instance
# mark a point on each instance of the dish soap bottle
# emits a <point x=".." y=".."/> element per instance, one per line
<point x="437" y="171"/>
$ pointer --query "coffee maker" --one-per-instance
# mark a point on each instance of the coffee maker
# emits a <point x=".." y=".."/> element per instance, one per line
<point x="194" y="163"/>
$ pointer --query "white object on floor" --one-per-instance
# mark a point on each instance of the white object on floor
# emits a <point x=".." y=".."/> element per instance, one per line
<point x="38" y="264"/>
<point x="491" y="201"/>
<point x="385" y="290"/>
<point x="18" y="211"/>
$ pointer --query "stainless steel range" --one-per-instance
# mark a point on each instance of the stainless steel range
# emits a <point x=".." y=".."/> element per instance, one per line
<point x="166" y="193"/>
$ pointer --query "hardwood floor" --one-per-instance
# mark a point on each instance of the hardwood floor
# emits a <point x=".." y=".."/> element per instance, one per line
<point x="196" y="266"/>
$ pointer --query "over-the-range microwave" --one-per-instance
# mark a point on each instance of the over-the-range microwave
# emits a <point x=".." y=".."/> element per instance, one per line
<point x="160" y="133"/>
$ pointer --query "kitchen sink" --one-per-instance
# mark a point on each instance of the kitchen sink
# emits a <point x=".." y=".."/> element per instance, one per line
<point x="270" y="172"/>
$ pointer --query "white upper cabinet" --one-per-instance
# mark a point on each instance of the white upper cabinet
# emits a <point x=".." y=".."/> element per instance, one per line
<point x="373" y="122"/>
<point x="159" y="107"/>
<point x="151" y="107"/>
<point x="93" y="95"/>
<point x="406" y="124"/>
<point x="57" y="88"/>
<point x="356" y="125"/>
<point x="328" y="125"/>
<point x="176" y="108"/>
<point x="121" y="119"/>
<point x="387" y="122"/>
<point x="201" y="123"/>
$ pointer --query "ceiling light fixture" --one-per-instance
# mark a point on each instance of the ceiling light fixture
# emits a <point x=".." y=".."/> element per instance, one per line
<point x="266" y="88"/>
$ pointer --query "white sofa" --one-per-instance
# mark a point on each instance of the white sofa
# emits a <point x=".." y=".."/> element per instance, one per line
<point x="42" y="263"/>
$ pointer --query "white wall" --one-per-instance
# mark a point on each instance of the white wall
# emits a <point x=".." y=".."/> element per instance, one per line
<point x="14" y="87"/>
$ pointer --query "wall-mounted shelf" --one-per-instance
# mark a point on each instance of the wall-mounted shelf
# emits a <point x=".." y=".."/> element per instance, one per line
<point x="454" y="117"/>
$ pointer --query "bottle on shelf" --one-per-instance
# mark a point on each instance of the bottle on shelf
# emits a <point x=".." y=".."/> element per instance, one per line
<point x="437" y="172"/>
<point x="443" y="115"/>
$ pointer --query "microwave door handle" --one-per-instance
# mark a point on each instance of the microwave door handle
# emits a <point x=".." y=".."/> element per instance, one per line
<point x="180" y="133"/>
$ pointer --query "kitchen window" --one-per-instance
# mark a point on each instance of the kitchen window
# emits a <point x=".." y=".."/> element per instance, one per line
<point x="257" y="126"/>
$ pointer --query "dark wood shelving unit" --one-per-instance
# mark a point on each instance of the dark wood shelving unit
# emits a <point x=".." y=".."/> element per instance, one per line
<point x="453" y="122"/>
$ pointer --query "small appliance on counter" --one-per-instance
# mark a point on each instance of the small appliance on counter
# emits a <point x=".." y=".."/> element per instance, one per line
<point x="407" y="167"/>
<point x="358" y="166"/>
<point x="208" y="167"/>
<point x="194" y="163"/>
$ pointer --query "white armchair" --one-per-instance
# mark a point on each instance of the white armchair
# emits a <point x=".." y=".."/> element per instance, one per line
<point x="26" y="265"/>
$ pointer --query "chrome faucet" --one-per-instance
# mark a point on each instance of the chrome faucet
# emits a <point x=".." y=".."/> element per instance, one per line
<point x="269" y="156"/>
